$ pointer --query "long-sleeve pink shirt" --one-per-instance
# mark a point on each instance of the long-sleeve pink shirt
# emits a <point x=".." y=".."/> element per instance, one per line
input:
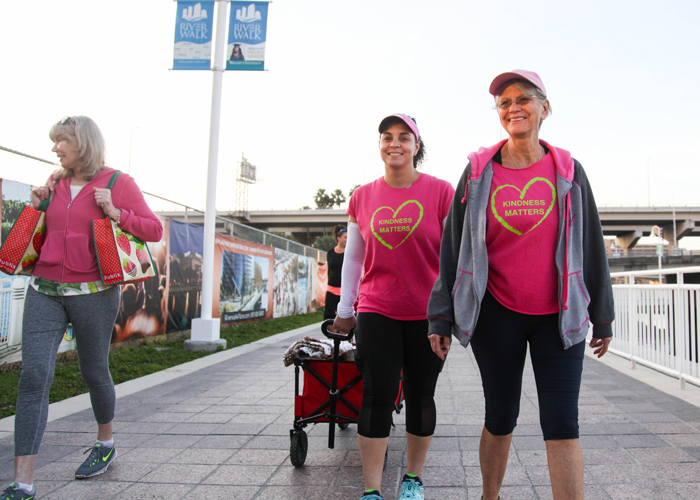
<point x="68" y="252"/>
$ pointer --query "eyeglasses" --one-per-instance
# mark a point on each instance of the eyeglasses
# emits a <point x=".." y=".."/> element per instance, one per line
<point x="520" y="101"/>
<point x="66" y="119"/>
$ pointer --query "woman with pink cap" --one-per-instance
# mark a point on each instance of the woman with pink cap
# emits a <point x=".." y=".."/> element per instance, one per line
<point x="394" y="233"/>
<point x="523" y="263"/>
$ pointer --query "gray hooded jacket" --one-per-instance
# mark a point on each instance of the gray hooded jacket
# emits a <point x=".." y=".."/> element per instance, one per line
<point x="585" y="289"/>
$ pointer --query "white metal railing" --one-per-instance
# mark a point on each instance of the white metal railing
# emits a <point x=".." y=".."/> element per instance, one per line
<point x="5" y="302"/>
<point x="12" y="292"/>
<point x="657" y="325"/>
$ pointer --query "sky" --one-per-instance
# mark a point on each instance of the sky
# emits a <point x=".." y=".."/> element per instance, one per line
<point x="615" y="72"/>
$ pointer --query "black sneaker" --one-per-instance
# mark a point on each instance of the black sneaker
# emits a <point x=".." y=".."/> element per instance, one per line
<point x="97" y="463"/>
<point x="14" y="492"/>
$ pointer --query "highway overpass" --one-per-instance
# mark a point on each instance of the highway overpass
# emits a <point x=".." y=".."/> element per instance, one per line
<point x="627" y="224"/>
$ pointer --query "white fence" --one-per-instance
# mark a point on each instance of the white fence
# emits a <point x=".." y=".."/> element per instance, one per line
<point x="12" y="293"/>
<point x="657" y="325"/>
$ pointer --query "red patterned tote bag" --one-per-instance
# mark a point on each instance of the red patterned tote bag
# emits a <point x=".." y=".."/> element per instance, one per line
<point x="22" y="247"/>
<point x="121" y="256"/>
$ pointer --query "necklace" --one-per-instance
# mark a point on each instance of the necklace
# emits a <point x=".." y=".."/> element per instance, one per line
<point x="516" y="163"/>
<point x="413" y="179"/>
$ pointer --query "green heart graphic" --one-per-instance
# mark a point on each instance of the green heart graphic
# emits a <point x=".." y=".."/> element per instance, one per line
<point x="522" y="196"/>
<point x="415" y="225"/>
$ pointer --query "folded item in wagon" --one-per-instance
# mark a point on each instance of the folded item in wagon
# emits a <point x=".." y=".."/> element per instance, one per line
<point x="311" y="348"/>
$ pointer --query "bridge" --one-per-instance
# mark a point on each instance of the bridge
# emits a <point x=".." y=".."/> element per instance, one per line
<point x="627" y="224"/>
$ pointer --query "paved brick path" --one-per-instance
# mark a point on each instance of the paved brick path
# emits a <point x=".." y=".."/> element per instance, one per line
<point x="222" y="432"/>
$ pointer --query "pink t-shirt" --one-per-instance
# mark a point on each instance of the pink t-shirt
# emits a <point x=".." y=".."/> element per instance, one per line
<point x="402" y="228"/>
<point x="521" y="237"/>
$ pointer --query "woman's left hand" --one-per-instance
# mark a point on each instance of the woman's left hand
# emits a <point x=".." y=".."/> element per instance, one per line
<point x="601" y="345"/>
<point x="103" y="199"/>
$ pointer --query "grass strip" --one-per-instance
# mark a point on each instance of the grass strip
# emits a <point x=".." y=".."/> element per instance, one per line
<point x="134" y="362"/>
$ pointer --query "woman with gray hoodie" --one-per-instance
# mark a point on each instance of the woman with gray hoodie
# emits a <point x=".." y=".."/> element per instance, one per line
<point x="523" y="262"/>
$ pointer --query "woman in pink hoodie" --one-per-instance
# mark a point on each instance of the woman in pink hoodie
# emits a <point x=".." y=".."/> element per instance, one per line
<point x="66" y="287"/>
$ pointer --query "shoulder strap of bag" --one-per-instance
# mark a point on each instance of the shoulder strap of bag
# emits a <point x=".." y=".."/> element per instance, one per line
<point x="44" y="205"/>
<point x="109" y="186"/>
<point x="112" y="180"/>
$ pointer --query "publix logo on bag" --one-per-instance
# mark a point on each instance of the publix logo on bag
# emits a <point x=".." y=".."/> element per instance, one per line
<point x="112" y="276"/>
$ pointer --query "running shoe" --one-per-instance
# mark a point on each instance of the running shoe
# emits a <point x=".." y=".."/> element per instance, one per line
<point x="372" y="495"/>
<point x="411" y="487"/>
<point x="14" y="492"/>
<point x="97" y="463"/>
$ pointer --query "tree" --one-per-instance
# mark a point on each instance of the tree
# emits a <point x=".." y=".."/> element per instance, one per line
<point x="338" y="197"/>
<point x="325" y="243"/>
<point x="352" y="190"/>
<point x="323" y="199"/>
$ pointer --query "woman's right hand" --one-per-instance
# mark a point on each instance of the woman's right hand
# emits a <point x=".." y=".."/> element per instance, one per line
<point x="440" y="345"/>
<point x="42" y="192"/>
<point x="343" y="325"/>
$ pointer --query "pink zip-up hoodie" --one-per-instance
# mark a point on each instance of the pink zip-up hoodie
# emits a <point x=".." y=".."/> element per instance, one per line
<point x="68" y="252"/>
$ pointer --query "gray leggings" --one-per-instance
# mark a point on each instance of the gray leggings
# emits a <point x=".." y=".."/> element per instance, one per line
<point x="45" y="320"/>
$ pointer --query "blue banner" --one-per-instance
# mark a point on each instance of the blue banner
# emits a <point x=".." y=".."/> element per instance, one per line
<point x="247" y="33"/>
<point x="193" y="35"/>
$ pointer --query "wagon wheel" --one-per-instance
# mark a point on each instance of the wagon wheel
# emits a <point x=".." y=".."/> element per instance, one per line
<point x="299" y="444"/>
<point x="343" y="425"/>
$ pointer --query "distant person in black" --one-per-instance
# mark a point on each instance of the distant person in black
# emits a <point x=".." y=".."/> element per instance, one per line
<point x="335" y="267"/>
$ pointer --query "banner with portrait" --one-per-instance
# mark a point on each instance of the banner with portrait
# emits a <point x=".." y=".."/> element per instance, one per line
<point x="247" y="33"/>
<point x="193" y="35"/>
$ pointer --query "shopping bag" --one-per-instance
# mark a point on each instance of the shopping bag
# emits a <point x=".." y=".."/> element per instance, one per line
<point x="121" y="256"/>
<point x="22" y="247"/>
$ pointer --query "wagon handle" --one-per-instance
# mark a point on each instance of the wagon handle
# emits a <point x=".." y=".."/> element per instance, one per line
<point x="335" y="336"/>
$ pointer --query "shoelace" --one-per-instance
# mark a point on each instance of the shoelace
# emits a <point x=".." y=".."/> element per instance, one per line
<point x="410" y="489"/>
<point x="94" y="456"/>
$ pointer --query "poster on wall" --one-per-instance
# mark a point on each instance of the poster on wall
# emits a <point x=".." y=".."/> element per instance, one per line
<point x="285" y="283"/>
<point x="243" y="270"/>
<point x="185" y="274"/>
<point x="143" y="311"/>
<point x="247" y="34"/>
<point x="193" y="35"/>
<point x="322" y="285"/>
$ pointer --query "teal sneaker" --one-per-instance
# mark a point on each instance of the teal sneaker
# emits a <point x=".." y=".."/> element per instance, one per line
<point x="372" y="495"/>
<point x="97" y="463"/>
<point x="14" y="492"/>
<point x="411" y="487"/>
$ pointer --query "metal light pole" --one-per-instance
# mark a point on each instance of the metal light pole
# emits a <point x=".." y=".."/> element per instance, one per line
<point x="205" y="329"/>
<point x="648" y="182"/>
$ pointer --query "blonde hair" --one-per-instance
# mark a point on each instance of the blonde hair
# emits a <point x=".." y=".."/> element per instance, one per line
<point x="84" y="132"/>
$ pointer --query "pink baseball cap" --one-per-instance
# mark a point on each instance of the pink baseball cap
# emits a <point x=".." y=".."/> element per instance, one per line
<point x="404" y="118"/>
<point x="522" y="74"/>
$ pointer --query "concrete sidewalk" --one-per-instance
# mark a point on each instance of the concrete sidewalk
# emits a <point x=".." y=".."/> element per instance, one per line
<point x="218" y="428"/>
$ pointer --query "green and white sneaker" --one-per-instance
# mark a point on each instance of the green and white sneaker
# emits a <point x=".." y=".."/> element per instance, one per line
<point x="14" y="492"/>
<point x="97" y="463"/>
<point x="411" y="487"/>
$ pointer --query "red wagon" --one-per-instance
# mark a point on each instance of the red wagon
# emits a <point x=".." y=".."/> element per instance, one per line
<point x="332" y="393"/>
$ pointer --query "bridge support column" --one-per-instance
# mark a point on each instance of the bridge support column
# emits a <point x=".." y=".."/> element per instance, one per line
<point x="628" y="240"/>
<point x="683" y="228"/>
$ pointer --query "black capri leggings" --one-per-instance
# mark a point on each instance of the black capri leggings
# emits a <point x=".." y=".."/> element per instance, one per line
<point x="500" y="344"/>
<point x="384" y="347"/>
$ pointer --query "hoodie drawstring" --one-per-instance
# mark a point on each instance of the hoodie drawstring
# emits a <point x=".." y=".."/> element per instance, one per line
<point x="565" y="287"/>
<point x="466" y="187"/>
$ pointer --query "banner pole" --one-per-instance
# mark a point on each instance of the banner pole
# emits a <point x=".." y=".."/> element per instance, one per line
<point x="205" y="334"/>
